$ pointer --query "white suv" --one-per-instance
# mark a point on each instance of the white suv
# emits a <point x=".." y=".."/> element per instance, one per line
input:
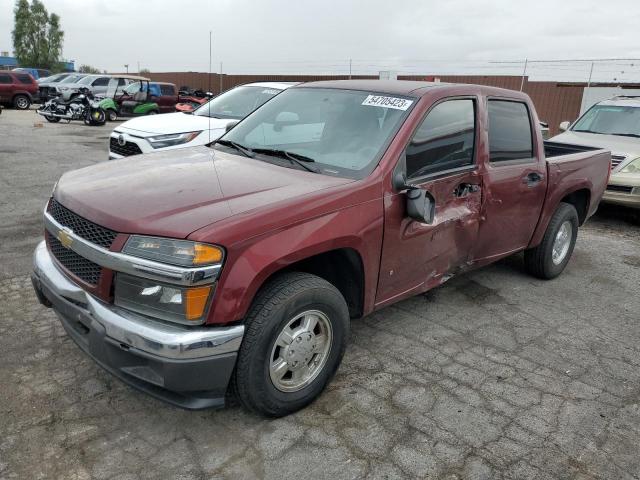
<point x="615" y="125"/>
<point x="203" y="126"/>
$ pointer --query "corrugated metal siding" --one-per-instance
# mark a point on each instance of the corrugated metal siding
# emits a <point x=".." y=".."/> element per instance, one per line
<point x="555" y="102"/>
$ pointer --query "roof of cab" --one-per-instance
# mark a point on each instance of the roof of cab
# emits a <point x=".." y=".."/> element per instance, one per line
<point x="406" y="87"/>
<point x="399" y="87"/>
<point x="622" y="101"/>
<point x="276" y="85"/>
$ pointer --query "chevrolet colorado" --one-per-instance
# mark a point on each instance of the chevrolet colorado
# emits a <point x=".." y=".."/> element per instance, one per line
<point x="237" y="267"/>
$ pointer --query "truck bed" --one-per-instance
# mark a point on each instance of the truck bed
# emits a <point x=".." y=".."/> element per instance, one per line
<point x="553" y="149"/>
<point x="576" y="168"/>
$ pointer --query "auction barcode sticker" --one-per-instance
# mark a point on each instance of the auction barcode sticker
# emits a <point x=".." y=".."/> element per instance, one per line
<point x="387" y="102"/>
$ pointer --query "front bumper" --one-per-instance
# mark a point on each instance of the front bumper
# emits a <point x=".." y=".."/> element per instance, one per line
<point x="623" y="189"/>
<point x="188" y="367"/>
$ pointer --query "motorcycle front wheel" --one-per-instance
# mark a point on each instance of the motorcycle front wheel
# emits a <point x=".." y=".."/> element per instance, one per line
<point x="96" y="116"/>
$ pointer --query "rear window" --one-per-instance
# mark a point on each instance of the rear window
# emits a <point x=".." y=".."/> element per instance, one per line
<point x="510" y="136"/>
<point x="4" y="78"/>
<point x="22" y="78"/>
<point x="167" y="89"/>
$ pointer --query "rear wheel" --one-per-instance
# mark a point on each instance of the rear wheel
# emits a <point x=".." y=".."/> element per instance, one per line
<point x="550" y="258"/>
<point x="296" y="334"/>
<point x="21" y="102"/>
<point x="153" y="112"/>
<point x="52" y="119"/>
<point x="112" y="115"/>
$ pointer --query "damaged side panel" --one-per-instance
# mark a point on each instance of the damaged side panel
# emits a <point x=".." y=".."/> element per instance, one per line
<point x="418" y="256"/>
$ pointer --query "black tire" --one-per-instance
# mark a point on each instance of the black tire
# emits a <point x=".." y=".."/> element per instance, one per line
<point x="276" y="304"/>
<point x="52" y="119"/>
<point x="539" y="261"/>
<point x="112" y="115"/>
<point x="21" y="102"/>
<point x="96" y="117"/>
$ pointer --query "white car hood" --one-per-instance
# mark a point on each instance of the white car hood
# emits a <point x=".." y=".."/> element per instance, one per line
<point x="628" y="147"/>
<point x="168" y="123"/>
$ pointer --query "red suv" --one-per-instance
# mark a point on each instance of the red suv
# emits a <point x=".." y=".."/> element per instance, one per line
<point x="18" y="89"/>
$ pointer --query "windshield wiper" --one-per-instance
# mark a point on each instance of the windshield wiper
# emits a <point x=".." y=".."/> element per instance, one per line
<point x="242" y="149"/>
<point x="635" y="135"/>
<point x="294" y="158"/>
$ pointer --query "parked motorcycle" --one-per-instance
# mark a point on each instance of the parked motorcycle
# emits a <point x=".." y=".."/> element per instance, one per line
<point x="83" y="107"/>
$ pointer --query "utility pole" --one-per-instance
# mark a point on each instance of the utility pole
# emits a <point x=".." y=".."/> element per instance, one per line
<point x="350" y="65"/>
<point x="524" y="73"/>
<point x="127" y="67"/>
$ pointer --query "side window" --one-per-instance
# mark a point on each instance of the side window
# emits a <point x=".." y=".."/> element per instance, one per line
<point x="24" y="79"/>
<point x="510" y="136"/>
<point x="167" y="89"/>
<point x="444" y="140"/>
<point x="4" y="78"/>
<point x="101" y="82"/>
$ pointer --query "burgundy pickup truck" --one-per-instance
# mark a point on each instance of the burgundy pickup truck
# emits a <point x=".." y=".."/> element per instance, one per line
<point x="237" y="268"/>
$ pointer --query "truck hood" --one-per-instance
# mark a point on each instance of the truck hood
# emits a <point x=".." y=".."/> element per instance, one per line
<point x="628" y="147"/>
<point x="172" y="123"/>
<point x="174" y="193"/>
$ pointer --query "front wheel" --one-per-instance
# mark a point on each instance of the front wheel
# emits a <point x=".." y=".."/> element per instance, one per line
<point x="95" y="116"/>
<point x="550" y="258"/>
<point x="295" y="337"/>
<point x="112" y="115"/>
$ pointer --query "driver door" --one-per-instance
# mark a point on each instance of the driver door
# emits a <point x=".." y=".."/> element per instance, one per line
<point x="441" y="159"/>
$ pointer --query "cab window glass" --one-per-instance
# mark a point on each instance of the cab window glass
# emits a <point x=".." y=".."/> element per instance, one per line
<point x="510" y="136"/>
<point x="444" y="140"/>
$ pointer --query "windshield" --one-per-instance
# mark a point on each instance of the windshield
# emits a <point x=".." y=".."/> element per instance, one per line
<point x="133" y="88"/>
<point x="56" y="78"/>
<point x="237" y="103"/>
<point x="610" y="120"/>
<point x="71" y="79"/>
<point x="344" y="132"/>
<point x="86" y="80"/>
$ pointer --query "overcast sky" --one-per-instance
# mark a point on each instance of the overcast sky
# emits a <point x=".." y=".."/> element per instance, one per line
<point x="276" y="36"/>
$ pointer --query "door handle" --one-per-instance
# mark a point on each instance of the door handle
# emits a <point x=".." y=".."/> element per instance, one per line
<point x="465" y="189"/>
<point x="532" y="179"/>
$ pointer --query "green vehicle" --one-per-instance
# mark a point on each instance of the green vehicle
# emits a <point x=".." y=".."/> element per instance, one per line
<point x="130" y="97"/>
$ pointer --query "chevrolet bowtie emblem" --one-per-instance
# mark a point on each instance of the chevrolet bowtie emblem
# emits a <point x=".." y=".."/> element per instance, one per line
<point x="65" y="238"/>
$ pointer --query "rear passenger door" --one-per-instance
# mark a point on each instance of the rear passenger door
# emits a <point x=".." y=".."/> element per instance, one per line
<point x="515" y="182"/>
<point x="441" y="159"/>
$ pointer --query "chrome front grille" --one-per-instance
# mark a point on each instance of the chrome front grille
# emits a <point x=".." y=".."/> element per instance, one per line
<point x="101" y="236"/>
<point x="82" y="268"/>
<point x="616" y="160"/>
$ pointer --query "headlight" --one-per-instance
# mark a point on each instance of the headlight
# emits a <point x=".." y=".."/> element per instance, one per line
<point x="632" y="167"/>
<point x="186" y="305"/>
<point x="162" y="141"/>
<point x="174" y="252"/>
<point x="63" y="89"/>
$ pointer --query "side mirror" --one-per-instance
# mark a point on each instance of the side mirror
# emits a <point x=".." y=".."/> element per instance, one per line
<point x="421" y="205"/>
<point x="231" y="124"/>
<point x="564" y="126"/>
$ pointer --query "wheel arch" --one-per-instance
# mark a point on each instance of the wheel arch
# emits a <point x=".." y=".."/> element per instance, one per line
<point x="580" y="199"/>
